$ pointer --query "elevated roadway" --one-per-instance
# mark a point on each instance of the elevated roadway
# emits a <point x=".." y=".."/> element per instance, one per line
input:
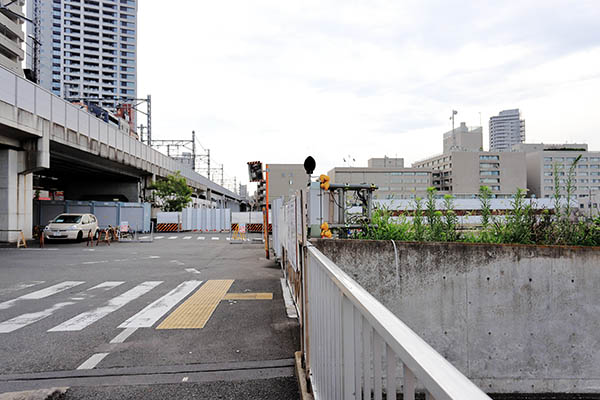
<point x="43" y="134"/>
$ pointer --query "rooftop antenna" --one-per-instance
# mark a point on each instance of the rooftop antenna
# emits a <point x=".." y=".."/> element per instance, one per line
<point x="454" y="112"/>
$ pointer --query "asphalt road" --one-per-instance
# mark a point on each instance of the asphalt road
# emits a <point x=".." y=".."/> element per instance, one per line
<point x="87" y="317"/>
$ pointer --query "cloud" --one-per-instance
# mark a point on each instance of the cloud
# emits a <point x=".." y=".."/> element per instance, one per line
<point x="277" y="81"/>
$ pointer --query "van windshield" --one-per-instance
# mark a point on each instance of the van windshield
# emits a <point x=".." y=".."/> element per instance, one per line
<point x="67" y="219"/>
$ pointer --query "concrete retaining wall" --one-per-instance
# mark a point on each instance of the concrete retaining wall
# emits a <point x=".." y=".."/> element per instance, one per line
<point x="512" y="318"/>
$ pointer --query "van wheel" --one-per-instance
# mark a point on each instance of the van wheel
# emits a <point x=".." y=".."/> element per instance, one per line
<point x="80" y="236"/>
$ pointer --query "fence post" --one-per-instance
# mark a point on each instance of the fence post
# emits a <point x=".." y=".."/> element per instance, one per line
<point x="348" y="348"/>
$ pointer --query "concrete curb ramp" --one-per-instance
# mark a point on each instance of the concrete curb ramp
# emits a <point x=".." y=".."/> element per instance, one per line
<point x="40" y="394"/>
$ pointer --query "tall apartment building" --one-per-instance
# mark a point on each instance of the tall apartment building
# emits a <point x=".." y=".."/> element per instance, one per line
<point x="506" y="130"/>
<point x="12" y="37"/>
<point x="85" y="48"/>
<point x="463" y="139"/>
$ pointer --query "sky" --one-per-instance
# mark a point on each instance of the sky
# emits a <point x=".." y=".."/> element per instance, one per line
<point x="345" y="81"/>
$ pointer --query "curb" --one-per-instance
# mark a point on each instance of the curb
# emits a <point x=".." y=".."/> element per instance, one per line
<point x="40" y="394"/>
<point x="301" y="375"/>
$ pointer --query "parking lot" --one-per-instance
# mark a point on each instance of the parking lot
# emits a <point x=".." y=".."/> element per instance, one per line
<point x="185" y="308"/>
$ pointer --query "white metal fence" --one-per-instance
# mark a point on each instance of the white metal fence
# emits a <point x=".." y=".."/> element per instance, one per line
<point x="356" y="347"/>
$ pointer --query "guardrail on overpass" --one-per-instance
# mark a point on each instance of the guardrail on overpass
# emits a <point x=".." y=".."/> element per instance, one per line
<point x="31" y="112"/>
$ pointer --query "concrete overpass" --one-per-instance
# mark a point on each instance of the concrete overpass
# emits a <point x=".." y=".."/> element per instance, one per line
<point x="42" y="133"/>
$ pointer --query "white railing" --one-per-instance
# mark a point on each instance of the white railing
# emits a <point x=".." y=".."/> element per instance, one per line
<point x="353" y="344"/>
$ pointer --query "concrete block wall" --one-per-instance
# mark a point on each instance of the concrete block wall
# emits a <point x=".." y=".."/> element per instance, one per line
<point x="512" y="318"/>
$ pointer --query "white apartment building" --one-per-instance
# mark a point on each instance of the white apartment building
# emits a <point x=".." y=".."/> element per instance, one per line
<point x="544" y="160"/>
<point x="85" y="48"/>
<point x="506" y="130"/>
<point x="12" y="37"/>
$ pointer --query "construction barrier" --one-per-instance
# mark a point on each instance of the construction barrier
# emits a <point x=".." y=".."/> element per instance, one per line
<point x="168" y="227"/>
<point x="255" y="228"/>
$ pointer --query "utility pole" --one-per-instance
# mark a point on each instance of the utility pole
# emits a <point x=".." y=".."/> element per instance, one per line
<point x="208" y="162"/>
<point x="149" y="116"/>
<point x="194" y="151"/>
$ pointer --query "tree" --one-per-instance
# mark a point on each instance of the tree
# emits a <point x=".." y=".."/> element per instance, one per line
<point x="172" y="193"/>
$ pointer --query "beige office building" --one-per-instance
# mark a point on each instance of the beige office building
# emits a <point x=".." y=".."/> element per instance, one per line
<point x="12" y="37"/>
<point x="285" y="180"/>
<point x="392" y="182"/>
<point x="543" y="159"/>
<point x="464" y="138"/>
<point x="462" y="173"/>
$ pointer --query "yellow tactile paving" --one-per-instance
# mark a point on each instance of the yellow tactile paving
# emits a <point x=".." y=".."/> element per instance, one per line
<point x="248" y="296"/>
<point x="195" y="311"/>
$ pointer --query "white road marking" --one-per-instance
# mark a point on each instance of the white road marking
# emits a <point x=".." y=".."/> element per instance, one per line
<point x="290" y="307"/>
<point x="94" y="360"/>
<point x="145" y="237"/>
<point x="40" y="294"/>
<point x="227" y="238"/>
<point x="185" y="379"/>
<point x="95" y="262"/>
<point x="154" y="311"/>
<point x="172" y="237"/>
<point x="107" y="285"/>
<point x="214" y="238"/>
<point x="187" y="237"/>
<point x="85" y="319"/>
<point x="201" y="238"/>
<point x="26" y="319"/>
<point x="177" y="262"/>
<point x="192" y="270"/>
<point x="158" y="237"/>
<point x="154" y="257"/>
<point x="121" y="337"/>
<point x="20" y="286"/>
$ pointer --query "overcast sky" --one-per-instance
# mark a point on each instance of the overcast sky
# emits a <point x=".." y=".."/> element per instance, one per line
<point x="276" y="81"/>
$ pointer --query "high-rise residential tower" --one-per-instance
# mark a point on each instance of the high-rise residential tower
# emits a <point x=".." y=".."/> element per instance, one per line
<point x="12" y="36"/>
<point x="506" y="130"/>
<point x="84" y="49"/>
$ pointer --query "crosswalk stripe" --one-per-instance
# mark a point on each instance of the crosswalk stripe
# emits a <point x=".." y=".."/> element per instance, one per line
<point x="43" y="293"/>
<point x="85" y="319"/>
<point x="107" y="285"/>
<point x="20" y="286"/>
<point x="201" y="238"/>
<point x="172" y="237"/>
<point x="187" y="237"/>
<point x="94" y="360"/>
<point x="214" y="238"/>
<point x="154" y="311"/>
<point x="26" y="319"/>
<point x="158" y="237"/>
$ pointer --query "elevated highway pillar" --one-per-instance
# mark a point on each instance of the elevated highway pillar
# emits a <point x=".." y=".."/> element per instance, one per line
<point x="16" y="195"/>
